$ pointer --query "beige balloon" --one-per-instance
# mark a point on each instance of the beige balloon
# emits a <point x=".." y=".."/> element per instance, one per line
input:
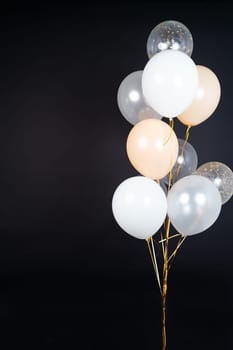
<point x="206" y="99"/>
<point x="152" y="148"/>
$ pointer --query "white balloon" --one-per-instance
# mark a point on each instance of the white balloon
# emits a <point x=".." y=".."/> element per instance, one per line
<point x="169" y="82"/>
<point x="139" y="206"/>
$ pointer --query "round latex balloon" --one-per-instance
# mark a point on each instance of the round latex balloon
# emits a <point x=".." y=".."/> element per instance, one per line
<point x="131" y="101"/>
<point x="170" y="35"/>
<point x="221" y="176"/>
<point x="194" y="204"/>
<point x="206" y="99"/>
<point x="169" y="82"/>
<point x="164" y="187"/>
<point x="186" y="162"/>
<point x="139" y="206"/>
<point x="152" y="148"/>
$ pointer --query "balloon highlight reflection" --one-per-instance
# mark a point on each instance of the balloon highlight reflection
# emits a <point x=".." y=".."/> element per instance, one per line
<point x="139" y="206"/>
<point x="194" y="204"/>
<point x="152" y="148"/>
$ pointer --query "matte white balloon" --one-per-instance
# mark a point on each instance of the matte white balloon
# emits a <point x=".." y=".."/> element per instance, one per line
<point x="169" y="82"/>
<point x="194" y="204"/>
<point x="131" y="101"/>
<point x="139" y="206"/>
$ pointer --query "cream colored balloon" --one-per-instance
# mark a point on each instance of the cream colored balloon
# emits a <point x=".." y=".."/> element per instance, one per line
<point x="206" y="99"/>
<point x="152" y="148"/>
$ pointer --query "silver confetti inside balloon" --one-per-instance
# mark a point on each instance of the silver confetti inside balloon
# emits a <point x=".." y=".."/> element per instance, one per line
<point x="221" y="175"/>
<point x="171" y="35"/>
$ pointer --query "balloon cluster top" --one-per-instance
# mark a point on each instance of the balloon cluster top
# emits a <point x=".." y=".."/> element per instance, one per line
<point x="170" y="35"/>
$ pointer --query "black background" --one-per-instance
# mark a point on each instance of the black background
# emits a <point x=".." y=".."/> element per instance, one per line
<point x="69" y="277"/>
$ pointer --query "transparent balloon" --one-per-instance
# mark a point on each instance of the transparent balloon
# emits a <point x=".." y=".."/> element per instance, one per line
<point x="131" y="101"/>
<point x="194" y="204"/>
<point x="222" y="177"/>
<point x="186" y="162"/>
<point x="171" y="35"/>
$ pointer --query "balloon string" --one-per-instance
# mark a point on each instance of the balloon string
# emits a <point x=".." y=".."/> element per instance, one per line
<point x="170" y="176"/>
<point x="156" y="265"/>
<point x="187" y="135"/>
<point x="173" y="255"/>
<point x="154" y="261"/>
<point x="170" y="237"/>
<point x="155" y="242"/>
<point x="165" y="280"/>
<point x="162" y="242"/>
<point x="171" y="124"/>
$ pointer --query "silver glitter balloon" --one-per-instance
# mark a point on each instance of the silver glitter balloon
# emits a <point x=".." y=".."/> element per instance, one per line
<point x="186" y="162"/>
<point x="131" y="101"/>
<point x="194" y="204"/>
<point x="170" y="35"/>
<point x="221" y="175"/>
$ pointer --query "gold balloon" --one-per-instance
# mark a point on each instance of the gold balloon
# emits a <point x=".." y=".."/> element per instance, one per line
<point x="152" y="148"/>
<point x="206" y="99"/>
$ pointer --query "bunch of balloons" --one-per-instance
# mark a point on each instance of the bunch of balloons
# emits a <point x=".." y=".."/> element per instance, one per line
<point x="170" y="189"/>
<point x="170" y="184"/>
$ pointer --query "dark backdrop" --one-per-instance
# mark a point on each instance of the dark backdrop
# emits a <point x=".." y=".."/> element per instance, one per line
<point x="69" y="277"/>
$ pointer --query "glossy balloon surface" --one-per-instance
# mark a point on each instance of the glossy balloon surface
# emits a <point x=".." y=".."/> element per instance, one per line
<point x="221" y="176"/>
<point x="171" y="35"/>
<point x="152" y="148"/>
<point x="206" y="99"/>
<point x="139" y="206"/>
<point x="131" y="101"/>
<point x="169" y="82"/>
<point x="186" y="162"/>
<point x="194" y="204"/>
